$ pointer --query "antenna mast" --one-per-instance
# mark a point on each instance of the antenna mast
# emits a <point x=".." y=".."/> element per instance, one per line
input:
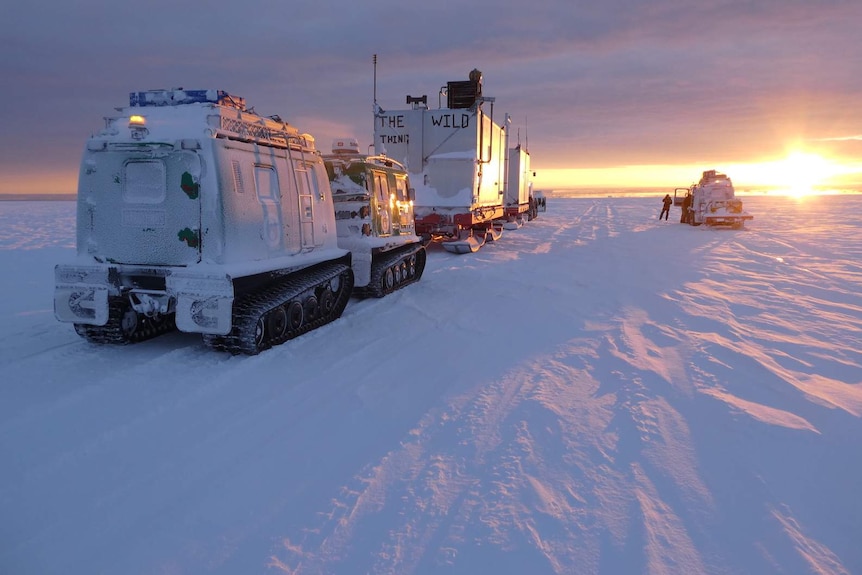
<point x="375" y="83"/>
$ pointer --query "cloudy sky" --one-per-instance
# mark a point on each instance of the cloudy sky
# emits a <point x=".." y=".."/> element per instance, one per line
<point x="600" y="91"/>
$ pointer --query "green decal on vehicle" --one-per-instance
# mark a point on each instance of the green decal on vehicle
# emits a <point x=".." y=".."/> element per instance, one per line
<point x="189" y="236"/>
<point x="189" y="186"/>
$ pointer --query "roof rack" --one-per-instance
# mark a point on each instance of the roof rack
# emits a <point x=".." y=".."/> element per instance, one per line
<point x="179" y="97"/>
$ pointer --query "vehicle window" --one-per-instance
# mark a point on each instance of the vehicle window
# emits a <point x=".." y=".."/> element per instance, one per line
<point x="401" y="189"/>
<point x="266" y="182"/>
<point x="144" y="182"/>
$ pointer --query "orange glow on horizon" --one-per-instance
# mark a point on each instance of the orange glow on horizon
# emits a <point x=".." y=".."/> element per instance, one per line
<point x="800" y="173"/>
<point x="39" y="183"/>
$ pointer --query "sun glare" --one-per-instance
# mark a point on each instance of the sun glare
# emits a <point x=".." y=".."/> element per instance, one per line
<point x="802" y="172"/>
<point x="797" y="175"/>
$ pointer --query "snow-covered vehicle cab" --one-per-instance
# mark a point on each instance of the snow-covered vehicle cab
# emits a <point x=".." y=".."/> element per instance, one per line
<point x="541" y="201"/>
<point x="712" y="201"/>
<point x="194" y="212"/>
<point x="373" y="204"/>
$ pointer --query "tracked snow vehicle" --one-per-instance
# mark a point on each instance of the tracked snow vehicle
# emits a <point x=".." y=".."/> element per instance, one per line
<point x="712" y="201"/>
<point x="374" y="218"/>
<point x="457" y="159"/>
<point x="196" y="213"/>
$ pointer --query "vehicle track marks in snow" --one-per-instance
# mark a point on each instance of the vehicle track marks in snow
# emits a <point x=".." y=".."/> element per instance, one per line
<point x="533" y="432"/>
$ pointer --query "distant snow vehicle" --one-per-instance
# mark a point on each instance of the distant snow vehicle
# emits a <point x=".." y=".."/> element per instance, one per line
<point x="195" y="212"/>
<point x="712" y="201"/>
<point x="374" y="217"/>
<point x="541" y="201"/>
<point x="458" y="157"/>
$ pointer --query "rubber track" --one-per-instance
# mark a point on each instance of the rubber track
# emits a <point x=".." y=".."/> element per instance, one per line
<point x="112" y="331"/>
<point x="252" y="306"/>
<point x="379" y="267"/>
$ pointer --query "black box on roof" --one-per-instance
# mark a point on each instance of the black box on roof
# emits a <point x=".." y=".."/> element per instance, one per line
<point x="462" y="93"/>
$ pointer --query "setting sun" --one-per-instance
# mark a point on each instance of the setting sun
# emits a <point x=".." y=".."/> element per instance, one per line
<point x="796" y="175"/>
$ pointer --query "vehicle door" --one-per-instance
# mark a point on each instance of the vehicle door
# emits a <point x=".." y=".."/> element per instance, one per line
<point x="146" y="210"/>
<point x="384" y="203"/>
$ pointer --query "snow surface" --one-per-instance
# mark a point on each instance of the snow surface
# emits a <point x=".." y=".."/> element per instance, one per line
<point x="597" y="392"/>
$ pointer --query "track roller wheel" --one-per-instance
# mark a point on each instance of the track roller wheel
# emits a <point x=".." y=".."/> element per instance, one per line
<point x="388" y="280"/>
<point x="295" y="315"/>
<point x="335" y="285"/>
<point x="260" y="334"/>
<point x="129" y="323"/>
<point x="311" y="308"/>
<point x="327" y="300"/>
<point x="277" y="322"/>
